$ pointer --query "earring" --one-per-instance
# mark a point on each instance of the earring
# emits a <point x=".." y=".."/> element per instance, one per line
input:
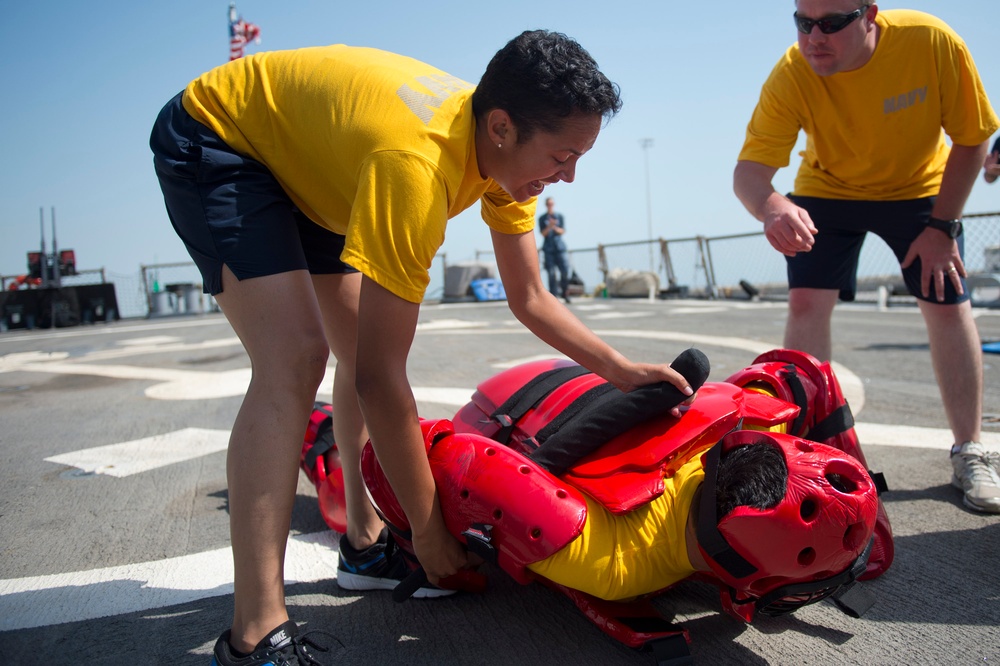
<point x="499" y="145"/>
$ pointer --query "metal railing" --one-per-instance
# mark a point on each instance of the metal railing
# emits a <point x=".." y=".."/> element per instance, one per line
<point x="695" y="266"/>
<point x="719" y="266"/>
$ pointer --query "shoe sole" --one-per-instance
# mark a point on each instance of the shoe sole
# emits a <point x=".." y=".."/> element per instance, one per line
<point x="354" y="582"/>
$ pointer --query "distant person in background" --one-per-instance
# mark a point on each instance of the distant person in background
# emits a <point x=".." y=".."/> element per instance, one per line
<point x="876" y="93"/>
<point x="552" y="226"/>
<point x="991" y="167"/>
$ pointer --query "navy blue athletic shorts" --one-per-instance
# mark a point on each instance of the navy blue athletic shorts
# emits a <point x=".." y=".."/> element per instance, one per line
<point x="833" y="261"/>
<point x="229" y="209"/>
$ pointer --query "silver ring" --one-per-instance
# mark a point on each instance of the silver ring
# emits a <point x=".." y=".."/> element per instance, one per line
<point x="952" y="270"/>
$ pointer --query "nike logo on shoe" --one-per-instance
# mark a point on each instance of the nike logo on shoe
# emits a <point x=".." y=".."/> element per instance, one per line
<point x="279" y="639"/>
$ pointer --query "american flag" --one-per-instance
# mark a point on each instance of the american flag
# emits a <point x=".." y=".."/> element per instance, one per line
<point x="240" y="33"/>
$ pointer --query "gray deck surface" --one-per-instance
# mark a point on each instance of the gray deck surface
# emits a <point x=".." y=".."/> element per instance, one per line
<point x="99" y="568"/>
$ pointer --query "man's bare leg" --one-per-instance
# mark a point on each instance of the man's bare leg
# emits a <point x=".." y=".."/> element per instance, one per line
<point x="810" y="312"/>
<point x="957" y="356"/>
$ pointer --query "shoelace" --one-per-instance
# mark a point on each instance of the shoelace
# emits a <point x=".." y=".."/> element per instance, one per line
<point x="979" y="468"/>
<point x="993" y="459"/>
<point x="297" y="652"/>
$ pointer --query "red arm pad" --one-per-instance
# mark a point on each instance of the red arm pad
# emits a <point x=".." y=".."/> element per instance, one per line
<point x="532" y="513"/>
<point x="377" y="485"/>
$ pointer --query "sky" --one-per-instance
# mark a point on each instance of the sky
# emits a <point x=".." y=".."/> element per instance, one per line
<point x="83" y="83"/>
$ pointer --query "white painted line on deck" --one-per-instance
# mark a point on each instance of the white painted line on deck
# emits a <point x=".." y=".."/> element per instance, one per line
<point x="203" y="385"/>
<point x="149" y="453"/>
<point x="454" y="397"/>
<point x="621" y="315"/>
<point x="40" y="601"/>
<point x="912" y="436"/>
<point x="689" y="310"/>
<point x="152" y="340"/>
<point x="583" y="306"/>
<point x="756" y="347"/>
<point x="506" y="365"/>
<point x="112" y="371"/>
<point x="850" y="383"/>
<point x="142" y="455"/>
<point x="116" y="328"/>
<point x="449" y="325"/>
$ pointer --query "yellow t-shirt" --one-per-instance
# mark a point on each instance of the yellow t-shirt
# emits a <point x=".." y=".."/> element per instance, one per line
<point x="372" y="145"/>
<point x="637" y="553"/>
<point x="875" y="133"/>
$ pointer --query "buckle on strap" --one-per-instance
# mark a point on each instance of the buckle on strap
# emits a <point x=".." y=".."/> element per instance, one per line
<point x="479" y="540"/>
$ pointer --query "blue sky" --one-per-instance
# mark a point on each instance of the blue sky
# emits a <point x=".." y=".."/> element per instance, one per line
<point x="83" y="82"/>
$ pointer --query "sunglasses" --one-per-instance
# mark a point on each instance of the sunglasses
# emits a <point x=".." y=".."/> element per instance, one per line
<point x="828" y="24"/>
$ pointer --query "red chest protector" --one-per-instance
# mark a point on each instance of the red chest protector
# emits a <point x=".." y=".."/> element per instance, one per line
<point x="628" y="470"/>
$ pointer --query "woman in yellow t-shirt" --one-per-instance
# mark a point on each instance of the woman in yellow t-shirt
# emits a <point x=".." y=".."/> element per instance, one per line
<point x="312" y="188"/>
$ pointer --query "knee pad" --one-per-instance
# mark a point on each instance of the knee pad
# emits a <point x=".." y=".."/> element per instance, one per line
<point x="329" y="480"/>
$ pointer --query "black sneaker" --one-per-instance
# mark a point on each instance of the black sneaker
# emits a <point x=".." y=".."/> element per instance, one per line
<point x="380" y="566"/>
<point x="281" y="647"/>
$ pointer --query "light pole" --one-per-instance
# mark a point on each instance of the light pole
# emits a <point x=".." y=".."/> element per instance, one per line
<point x="646" y="145"/>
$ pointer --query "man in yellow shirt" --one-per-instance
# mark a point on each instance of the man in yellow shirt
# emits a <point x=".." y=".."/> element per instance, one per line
<point x="876" y="93"/>
<point x="312" y="188"/>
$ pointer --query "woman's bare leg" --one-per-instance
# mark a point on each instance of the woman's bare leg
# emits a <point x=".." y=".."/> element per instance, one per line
<point x="338" y="297"/>
<point x="278" y="320"/>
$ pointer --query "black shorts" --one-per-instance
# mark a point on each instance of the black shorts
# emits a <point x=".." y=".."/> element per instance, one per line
<point x="229" y="209"/>
<point x="843" y="224"/>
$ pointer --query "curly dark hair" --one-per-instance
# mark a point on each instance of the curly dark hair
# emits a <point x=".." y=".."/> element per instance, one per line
<point x="755" y="475"/>
<point x="540" y="78"/>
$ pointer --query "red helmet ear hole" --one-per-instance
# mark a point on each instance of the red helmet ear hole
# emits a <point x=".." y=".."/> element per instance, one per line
<point x="804" y="446"/>
<point x="806" y="557"/>
<point x="808" y="510"/>
<point x="854" y="537"/>
<point x="845" y="477"/>
<point x="842" y="483"/>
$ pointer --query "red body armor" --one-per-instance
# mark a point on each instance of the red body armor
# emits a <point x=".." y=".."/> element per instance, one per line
<point x="509" y="509"/>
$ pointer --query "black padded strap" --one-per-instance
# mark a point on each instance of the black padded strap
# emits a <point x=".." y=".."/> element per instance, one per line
<point x="791" y="377"/>
<point x="838" y="421"/>
<point x="878" y="478"/>
<point x="578" y="405"/>
<point x="854" y="599"/>
<point x="707" y="526"/>
<point x="605" y="412"/>
<point x="528" y="396"/>
<point x="324" y="440"/>
<point x="671" y="651"/>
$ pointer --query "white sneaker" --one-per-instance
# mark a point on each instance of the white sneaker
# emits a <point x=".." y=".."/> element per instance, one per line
<point x="976" y="474"/>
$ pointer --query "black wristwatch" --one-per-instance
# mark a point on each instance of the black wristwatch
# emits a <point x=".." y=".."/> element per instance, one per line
<point x="953" y="228"/>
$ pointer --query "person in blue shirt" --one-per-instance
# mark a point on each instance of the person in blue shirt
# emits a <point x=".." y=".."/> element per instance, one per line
<point x="552" y="226"/>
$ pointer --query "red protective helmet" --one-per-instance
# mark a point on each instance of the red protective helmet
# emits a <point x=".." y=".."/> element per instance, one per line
<point x="811" y="544"/>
